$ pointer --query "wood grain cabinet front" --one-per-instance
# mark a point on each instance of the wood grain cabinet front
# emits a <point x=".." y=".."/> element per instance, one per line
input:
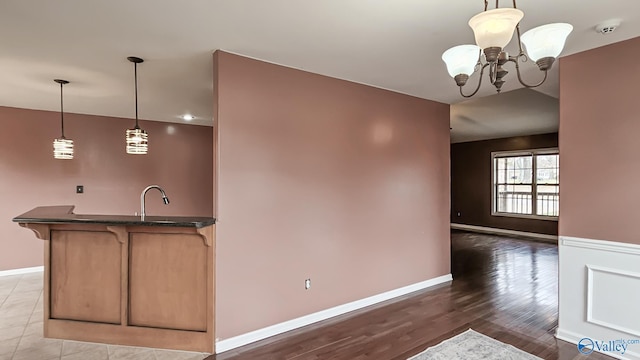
<point x="139" y="285"/>
<point x="85" y="276"/>
<point x="168" y="281"/>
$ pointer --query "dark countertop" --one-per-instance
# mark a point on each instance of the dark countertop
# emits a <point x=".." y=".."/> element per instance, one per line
<point x="64" y="215"/>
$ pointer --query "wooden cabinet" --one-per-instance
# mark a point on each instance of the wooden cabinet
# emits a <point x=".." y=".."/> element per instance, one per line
<point x="129" y="285"/>
<point x="85" y="276"/>
<point x="168" y="281"/>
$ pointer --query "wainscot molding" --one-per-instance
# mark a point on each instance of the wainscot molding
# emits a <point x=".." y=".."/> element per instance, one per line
<point x="21" y="271"/>
<point x="624" y="248"/>
<point x="592" y="294"/>
<point x="260" y="334"/>
<point x="599" y="286"/>
<point x="490" y="230"/>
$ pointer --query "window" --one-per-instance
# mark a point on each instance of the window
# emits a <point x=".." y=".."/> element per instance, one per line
<point x="517" y="192"/>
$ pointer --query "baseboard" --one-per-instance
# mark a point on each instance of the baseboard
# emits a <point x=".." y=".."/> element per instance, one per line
<point x="260" y="334"/>
<point x="489" y="230"/>
<point x="28" y="270"/>
<point x="574" y="338"/>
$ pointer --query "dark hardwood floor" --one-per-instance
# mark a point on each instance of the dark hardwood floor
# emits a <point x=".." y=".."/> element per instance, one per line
<point x="503" y="287"/>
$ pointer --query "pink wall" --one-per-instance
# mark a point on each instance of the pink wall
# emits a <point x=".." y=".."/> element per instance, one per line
<point x="179" y="160"/>
<point x="599" y="143"/>
<point x="324" y="179"/>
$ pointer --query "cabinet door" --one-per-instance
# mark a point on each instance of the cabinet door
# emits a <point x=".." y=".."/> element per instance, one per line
<point x="168" y="281"/>
<point x="85" y="276"/>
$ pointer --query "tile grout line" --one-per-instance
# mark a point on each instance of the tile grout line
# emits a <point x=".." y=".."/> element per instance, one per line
<point x="13" y="354"/>
<point x="11" y="292"/>
<point x="30" y="315"/>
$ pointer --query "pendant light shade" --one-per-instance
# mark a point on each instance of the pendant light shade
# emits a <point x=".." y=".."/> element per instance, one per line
<point x="546" y="40"/>
<point x="136" y="138"/>
<point x="62" y="147"/>
<point x="461" y="59"/>
<point x="494" y="28"/>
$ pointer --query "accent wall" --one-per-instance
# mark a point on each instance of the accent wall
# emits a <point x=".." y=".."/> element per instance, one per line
<point x="322" y="179"/>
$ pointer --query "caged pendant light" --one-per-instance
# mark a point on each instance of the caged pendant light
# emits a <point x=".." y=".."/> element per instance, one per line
<point x="137" y="139"/>
<point x="62" y="147"/>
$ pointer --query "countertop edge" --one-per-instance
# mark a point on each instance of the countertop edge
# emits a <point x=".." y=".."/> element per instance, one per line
<point x="64" y="215"/>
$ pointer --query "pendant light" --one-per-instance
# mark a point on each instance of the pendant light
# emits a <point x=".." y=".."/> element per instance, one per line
<point x="137" y="139"/>
<point x="62" y="147"/>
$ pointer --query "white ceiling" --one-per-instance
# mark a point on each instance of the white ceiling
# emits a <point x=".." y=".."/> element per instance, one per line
<point x="392" y="44"/>
<point x="517" y="112"/>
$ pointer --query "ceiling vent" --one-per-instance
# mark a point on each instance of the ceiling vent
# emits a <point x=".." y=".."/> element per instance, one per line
<point x="607" y="27"/>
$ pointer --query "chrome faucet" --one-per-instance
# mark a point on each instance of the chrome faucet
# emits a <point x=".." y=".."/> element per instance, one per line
<point x="165" y="199"/>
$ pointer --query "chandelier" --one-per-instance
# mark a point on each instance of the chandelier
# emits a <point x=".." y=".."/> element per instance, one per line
<point x="493" y="30"/>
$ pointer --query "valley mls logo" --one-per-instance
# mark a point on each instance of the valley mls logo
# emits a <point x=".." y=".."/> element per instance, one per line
<point x="587" y="345"/>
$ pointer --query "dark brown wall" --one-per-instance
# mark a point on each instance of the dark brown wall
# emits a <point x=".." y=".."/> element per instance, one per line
<point x="471" y="183"/>
<point x="180" y="160"/>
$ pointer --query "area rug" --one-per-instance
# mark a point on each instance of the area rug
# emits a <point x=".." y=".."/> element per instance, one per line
<point x="471" y="345"/>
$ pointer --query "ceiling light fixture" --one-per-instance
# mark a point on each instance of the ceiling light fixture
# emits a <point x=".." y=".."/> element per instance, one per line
<point x="137" y="139"/>
<point x="62" y="147"/>
<point x="188" y="117"/>
<point x="493" y="30"/>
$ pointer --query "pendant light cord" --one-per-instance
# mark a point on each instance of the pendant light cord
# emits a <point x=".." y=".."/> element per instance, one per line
<point x="135" y="75"/>
<point x="61" y="111"/>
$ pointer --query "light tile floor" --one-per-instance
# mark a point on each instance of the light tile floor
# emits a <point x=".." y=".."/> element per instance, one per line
<point x="21" y="330"/>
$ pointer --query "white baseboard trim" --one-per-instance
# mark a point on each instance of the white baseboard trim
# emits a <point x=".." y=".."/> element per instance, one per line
<point x="260" y="334"/>
<point x="574" y="338"/>
<point x="28" y="270"/>
<point x="489" y="230"/>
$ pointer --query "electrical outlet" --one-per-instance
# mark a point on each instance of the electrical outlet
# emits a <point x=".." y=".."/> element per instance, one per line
<point x="307" y="284"/>
<point x="79" y="189"/>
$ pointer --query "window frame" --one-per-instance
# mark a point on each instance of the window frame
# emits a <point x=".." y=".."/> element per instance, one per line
<point x="534" y="181"/>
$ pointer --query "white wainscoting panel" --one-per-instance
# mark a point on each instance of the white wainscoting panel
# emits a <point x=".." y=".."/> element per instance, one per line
<point x="599" y="292"/>
<point x="619" y="312"/>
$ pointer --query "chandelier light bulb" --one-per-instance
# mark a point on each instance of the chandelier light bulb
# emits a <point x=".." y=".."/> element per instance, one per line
<point x="546" y="40"/>
<point x="494" y="28"/>
<point x="461" y="59"/>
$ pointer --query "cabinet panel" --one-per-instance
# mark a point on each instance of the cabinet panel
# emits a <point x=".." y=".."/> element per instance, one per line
<point x="168" y="281"/>
<point x="85" y="276"/>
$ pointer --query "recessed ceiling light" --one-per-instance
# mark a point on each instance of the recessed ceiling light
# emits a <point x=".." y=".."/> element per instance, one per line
<point x="187" y="117"/>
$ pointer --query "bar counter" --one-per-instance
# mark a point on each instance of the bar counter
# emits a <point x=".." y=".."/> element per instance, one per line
<point x="127" y="281"/>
